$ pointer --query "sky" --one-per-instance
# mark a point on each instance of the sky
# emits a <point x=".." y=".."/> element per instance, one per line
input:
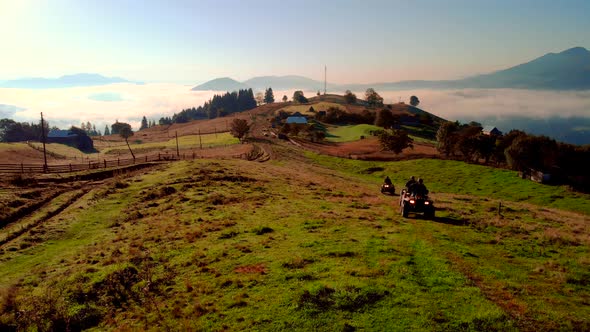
<point x="176" y="44"/>
<point x="193" y="41"/>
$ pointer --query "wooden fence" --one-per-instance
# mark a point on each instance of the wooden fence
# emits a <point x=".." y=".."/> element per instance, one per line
<point x="67" y="168"/>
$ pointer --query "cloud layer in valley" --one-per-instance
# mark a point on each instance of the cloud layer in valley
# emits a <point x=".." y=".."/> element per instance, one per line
<point x="129" y="103"/>
<point x="100" y="104"/>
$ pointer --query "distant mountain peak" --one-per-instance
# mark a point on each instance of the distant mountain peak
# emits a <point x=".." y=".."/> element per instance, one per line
<point x="221" y="84"/>
<point x="576" y="51"/>
<point x="65" y="81"/>
<point x="567" y="70"/>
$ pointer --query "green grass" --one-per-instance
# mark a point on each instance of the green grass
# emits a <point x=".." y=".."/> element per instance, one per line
<point x="237" y="245"/>
<point x="349" y="133"/>
<point x="462" y="178"/>
<point x="184" y="142"/>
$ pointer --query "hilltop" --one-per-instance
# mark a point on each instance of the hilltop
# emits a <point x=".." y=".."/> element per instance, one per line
<point x="214" y="134"/>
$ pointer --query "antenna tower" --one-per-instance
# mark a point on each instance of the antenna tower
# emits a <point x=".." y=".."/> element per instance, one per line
<point x="325" y="78"/>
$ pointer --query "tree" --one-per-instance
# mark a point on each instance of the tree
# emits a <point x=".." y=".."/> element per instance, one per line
<point x="11" y="131"/>
<point x="298" y="97"/>
<point x="106" y="130"/>
<point x="144" y="123"/>
<point x="384" y="118"/>
<point x="445" y="137"/>
<point x="396" y="141"/>
<point x="318" y="93"/>
<point x="239" y="128"/>
<point x="285" y="98"/>
<point x="373" y="98"/>
<point x="116" y="127"/>
<point x="414" y="101"/>
<point x="259" y="98"/>
<point x="532" y="152"/>
<point x="269" y="96"/>
<point x="125" y="131"/>
<point x="349" y="97"/>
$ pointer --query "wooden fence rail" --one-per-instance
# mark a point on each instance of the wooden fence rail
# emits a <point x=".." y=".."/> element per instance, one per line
<point x="68" y="168"/>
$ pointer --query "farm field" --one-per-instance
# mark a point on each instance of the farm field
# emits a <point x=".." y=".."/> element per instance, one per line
<point x="301" y="242"/>
<point x="109" y="149"/>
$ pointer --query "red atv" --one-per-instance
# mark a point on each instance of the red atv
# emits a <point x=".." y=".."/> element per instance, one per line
<point x="416" y="204"/>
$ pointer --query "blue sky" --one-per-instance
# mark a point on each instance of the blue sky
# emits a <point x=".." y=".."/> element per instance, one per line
<point x="191" y="42"/>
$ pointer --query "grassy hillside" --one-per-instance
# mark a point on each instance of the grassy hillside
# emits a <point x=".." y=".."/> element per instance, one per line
<point x="303" y="243"/>
<point x="349" y="133"/>
<point x="184" y="142"/>
<point x="304" y="109"/>
<point x="449" y="176"/>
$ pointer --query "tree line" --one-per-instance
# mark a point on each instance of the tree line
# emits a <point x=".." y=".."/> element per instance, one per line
<point x="218" y="106"/>
<point x="517" y="150"/>
<point x="12" y="131"/>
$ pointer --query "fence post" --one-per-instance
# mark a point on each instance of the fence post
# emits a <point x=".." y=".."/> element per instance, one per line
<point x="146" y="158"/>
<point x="89" y="164"/>
<point x="22" y="168"/>
<point x="117" y="161"/>
<point x="70" y="167"/>
<point x="105" y="163"/>
<point x="158" y="156"/>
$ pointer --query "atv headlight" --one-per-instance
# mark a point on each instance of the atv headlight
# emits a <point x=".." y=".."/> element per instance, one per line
<point x="412" y="201"/>
<point x="426" y="203"/>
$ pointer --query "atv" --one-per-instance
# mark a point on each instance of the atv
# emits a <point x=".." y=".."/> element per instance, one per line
<point x="416" y="204"/>
<point x="388" y="188"/>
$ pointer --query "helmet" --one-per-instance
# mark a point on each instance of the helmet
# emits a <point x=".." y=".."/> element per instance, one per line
<point x="412" y="178"/>
<point x="420" y="180"/>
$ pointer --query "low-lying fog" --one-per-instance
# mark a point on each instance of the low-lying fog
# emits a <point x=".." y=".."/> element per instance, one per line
<point x="564" y="115"/>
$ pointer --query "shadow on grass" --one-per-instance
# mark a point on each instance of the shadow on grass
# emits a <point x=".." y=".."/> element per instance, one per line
<point x="451" y="221"/>
<point x="443" y="220"/>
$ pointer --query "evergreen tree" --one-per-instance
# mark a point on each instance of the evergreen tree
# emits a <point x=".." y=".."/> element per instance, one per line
<point x="144" y="123"/>
<point x="269" y="96"/>
<point x="106" y="130"/>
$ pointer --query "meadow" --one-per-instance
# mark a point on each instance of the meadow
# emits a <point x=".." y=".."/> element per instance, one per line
<point x="110" y="148"/>
<point x="349" y="133"/>
<point x="303" y="243"/>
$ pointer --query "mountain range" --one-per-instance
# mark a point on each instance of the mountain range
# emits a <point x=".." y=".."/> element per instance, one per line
<point x="67" y="81"/>
<point x="567" y="70"/>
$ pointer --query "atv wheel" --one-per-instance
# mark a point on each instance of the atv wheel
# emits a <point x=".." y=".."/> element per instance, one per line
<point x="405" y="211"/>
<point x="429" y="214"/>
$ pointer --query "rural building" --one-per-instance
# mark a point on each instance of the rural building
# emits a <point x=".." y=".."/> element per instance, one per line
<point x="297" y="118"/>
<point x="68" y="137"/>
<point x="491" y="131"/>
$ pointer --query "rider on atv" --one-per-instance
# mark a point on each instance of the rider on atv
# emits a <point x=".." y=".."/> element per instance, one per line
<point x="410" y="183"/>
<point x="418" y="189"/>
<point x="387" y="180"/>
